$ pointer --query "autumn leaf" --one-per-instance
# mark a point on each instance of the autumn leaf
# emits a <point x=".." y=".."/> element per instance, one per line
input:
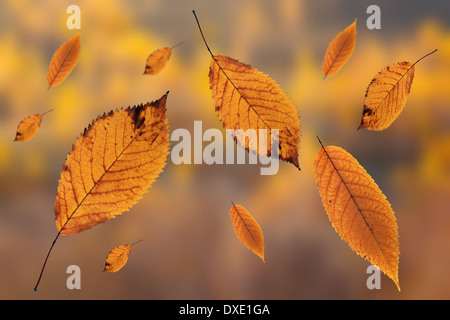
<point x="247" y="230"/>
<point x="118" y="257"/>
<point x="29" y="126"/>
<point x="386" y="95"/>
<point x="111" y="166"/>
<point x="357" y="209"/>
<point x="339" y="50"/>
<point x="158" y="59"/>
<point x="245" y="99"/>
<point x="63" y="61"/>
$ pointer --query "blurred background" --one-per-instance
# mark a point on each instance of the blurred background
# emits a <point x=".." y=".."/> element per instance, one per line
<point x="189" y="248"/>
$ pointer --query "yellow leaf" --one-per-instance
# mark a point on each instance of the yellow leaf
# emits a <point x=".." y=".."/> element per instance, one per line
<point x="158" y="59"/>
<point x="246" y="99"/>
<point x="63" y="61"/>
<point x="386" y="95"/>
<point x="118" y="257"/>
<point x="339" y="50"/>
<point x="28" y="127"/>
<point x="247" y="230"/>
<point x="111" y="165"/>
<point x="357" y="209"/>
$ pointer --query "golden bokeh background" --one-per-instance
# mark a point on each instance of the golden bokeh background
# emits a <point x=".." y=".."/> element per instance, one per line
<point x="189" y="249"/>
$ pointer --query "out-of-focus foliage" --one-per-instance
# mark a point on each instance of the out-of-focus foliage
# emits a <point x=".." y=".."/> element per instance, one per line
<point x="189" y="251"/>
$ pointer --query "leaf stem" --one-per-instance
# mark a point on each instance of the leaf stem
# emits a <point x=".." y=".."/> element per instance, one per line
<point x="203" y="37"/>
<point x="136" y="242"/>
<point x="178" y="44"/>
<point x="47" y="112"/>
<point x="45" y="262"/>
<point x="428" y="54"/>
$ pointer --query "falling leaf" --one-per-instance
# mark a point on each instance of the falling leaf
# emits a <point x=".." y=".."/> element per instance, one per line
<point x="158" y="59"/>
<point x="29" y="126"/>
<point x="111" y="166"/>
<point x="118" y="257"/>
<point x="247" y="230"/>
<point x="246" y="98"/>
<point x="386" y="95"/>
<point x="339" y="50"/>
<point x="357" y="209"/>
<point x="63" y="61"/>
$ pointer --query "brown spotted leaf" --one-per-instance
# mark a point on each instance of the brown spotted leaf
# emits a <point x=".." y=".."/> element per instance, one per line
<point x="248" y="100"/>
<point x="111" y="166"/>
<point x="158" y="59"/>
<point x="63" y="61"/>
<point x="386" y="95"/>
<point x="28" y="127"/>
<point x="339" y="50"/>
<point x="118" y="257"/>
<point x="247" y="230"/>
<point x="357" y="209"/>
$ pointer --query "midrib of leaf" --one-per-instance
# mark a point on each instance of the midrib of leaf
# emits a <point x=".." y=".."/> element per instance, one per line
<point x="357" y="206"/>
<point x="337" y="55"/>
<point x="101" y="177"/>
<point x="246" y="227"/>
<point x="62" y="64"/>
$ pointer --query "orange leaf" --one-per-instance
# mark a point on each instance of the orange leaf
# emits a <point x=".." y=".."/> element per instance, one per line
<point x="111" y="165"/>
<point x="63" y="61"/>
<point x="246" y="98"/>
<point x="247" y="230"/>
<point x="386" y="95"/>
<point x="339" y="50"/>
<point x="28" y="127"/>
<point x="118" y="257"/>
<point x="357" y="209"/>
<point x="158" y="59"/>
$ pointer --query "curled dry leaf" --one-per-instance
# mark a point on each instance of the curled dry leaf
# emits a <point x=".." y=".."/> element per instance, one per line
<point x="158" y="59"/>
<point x="118" y="257"/>
<point x="247" y="230"/>
<point x="386" y="95"/>
<point x="111" y="166"/>
<point x="245" y="99"/>
<point x="339" y="50"/>
<point x="357" y="209"/>
<point x="63" y="61"/>
<point x="29" y="126"/>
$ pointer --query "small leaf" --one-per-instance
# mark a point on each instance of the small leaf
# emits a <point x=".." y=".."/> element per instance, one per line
<point x="339" y="50"/>
<point x="386" y="95"/>
<point x="28" y="127"/>
<point x="158" y="59"/>
<point x="357" y="209"/>
<point x="247" y="230"/>
<point x="118" y="257"/>
<point x="63" y="61"/>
